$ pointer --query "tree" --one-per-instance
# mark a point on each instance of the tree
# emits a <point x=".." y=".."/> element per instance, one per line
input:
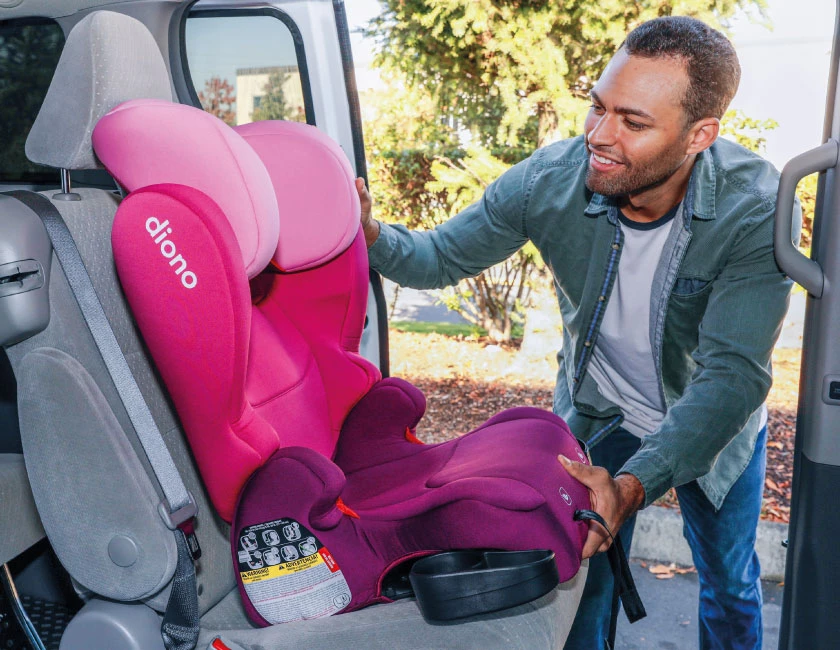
<point x="218" y="98"/>
<point x="506" y="68"/>
<point x="273" y="105"/>
<point x="493" y="298"/>
<point x="746" y="131"/>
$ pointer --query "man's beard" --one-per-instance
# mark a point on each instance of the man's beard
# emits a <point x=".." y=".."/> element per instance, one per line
<point x="636" y="177"/>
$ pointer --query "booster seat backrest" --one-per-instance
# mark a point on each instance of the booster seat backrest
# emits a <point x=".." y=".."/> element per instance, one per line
<point x="250" y="369"/>
<point x="321" y="249"/>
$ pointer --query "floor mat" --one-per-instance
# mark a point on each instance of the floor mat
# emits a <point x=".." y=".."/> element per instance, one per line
<point x="49" y="619"/>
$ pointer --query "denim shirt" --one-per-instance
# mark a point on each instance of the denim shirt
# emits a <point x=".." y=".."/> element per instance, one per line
<point x="717" y="302"/>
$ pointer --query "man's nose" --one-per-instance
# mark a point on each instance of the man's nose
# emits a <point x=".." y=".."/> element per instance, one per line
<point x="603" y="133"/>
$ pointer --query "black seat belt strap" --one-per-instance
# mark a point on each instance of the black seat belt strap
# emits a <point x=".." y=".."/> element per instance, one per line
<point x="624" y="587"/>
<point x="180" y="623"/>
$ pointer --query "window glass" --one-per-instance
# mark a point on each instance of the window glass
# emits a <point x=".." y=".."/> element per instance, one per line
<point x="247" y="68"/>
<point x="29" y="53"/>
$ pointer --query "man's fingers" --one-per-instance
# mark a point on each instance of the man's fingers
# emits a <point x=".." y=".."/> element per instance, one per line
<point x="362" y="189"/>
<point x="583" y="473"/>
<point x="596" y="541"/>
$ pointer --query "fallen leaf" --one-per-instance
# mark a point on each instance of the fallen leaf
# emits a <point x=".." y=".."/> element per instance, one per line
<point x="661" y="568"/>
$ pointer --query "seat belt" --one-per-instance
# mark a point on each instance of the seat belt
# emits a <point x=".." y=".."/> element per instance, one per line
<point x="624" y="587"/>
<point x="180" y="625"/>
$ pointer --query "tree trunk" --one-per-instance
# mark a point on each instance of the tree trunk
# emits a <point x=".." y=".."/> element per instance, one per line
<point x="543" y="326"/>
<point x="549" y="126"/>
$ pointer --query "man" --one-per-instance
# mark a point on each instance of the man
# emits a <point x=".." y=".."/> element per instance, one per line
<point x="660" y="240"/>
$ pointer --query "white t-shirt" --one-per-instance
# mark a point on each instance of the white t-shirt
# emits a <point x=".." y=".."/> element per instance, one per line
<point x="622" y="361"/>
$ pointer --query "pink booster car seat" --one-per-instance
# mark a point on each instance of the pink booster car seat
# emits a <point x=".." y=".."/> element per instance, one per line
<point x="240" y="253"/>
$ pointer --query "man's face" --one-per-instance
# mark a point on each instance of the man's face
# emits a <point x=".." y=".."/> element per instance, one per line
<point x="635" y="130"/>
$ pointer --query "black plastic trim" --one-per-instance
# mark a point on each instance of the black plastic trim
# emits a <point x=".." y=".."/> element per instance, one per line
<point x="361" y="169"/>
<point x="179" y="68"/>
<point x="297" y="37"/>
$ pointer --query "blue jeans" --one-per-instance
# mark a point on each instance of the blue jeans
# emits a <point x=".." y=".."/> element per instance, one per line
<point x="723" y="547"/>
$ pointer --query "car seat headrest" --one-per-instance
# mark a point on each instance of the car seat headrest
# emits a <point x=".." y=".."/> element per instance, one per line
<point x="108" y="58"/>
<point x="145" y="142"/>
<point x="314" y="182"/>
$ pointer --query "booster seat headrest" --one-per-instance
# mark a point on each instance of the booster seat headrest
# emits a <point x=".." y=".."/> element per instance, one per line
<point x="313" y="180"/>
<point x="145" y="142"/>
<point x="108" y="59"/>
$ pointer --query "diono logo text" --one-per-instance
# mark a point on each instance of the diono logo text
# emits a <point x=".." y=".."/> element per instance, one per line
<point x="159" y="231"/>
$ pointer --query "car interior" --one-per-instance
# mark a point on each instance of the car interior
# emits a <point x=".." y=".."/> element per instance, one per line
<point x="116" y="514"/>
<point x="92" y="556"/>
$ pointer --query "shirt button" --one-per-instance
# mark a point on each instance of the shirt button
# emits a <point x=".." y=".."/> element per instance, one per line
<point x="575" y="380"/>
<point x="601" y="298"/>
<point x="587" y="343"/>
<point x="616" y="246"/>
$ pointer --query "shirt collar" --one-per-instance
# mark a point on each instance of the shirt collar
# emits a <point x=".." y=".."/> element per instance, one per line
<point x="703" y="178"/>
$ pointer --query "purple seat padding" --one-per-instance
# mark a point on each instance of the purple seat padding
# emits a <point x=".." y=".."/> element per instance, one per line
<point x="387" y="498"/>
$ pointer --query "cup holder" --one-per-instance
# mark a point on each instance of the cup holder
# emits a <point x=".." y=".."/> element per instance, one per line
<point x="457" y="584"/>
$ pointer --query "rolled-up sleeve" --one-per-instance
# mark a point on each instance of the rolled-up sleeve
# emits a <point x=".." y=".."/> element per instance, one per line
<point x="486" y="233"/>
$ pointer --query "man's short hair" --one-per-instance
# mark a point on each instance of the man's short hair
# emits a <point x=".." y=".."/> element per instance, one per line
<point x="710" y="61"/>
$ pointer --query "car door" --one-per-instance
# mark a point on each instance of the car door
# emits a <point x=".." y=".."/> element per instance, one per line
<point x="811" y="597"/>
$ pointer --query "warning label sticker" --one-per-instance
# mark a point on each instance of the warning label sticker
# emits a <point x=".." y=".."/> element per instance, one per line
<point x="288" y="574"/>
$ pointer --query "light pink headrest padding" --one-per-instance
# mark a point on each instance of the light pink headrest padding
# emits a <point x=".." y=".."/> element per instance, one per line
<point x="314" y="182"/>
<point x="144" y="142"/>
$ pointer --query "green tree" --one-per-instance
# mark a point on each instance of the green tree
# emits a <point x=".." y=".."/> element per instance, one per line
<point x="495" y="298"/>
<point x="273" y="103"/>
<point x="746" y="131"/>
<point x="504" y="69"/>
<point x="218" y="98"/>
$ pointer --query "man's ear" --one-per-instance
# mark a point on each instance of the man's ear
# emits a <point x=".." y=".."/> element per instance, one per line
<point x="702" y="135"/>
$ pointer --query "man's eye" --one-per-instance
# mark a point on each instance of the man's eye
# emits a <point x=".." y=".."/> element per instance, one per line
<point x="596" y="108"/>
<point x="634" y="126"/>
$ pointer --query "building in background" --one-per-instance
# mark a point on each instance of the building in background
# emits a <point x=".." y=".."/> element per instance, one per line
<point x="269" y="89"/>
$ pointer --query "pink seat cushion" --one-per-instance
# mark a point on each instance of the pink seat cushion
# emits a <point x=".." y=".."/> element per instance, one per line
<point x="311" y="174"/>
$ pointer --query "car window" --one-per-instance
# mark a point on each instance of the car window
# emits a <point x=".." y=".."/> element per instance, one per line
<point x="247" y="67"/>
<point x="29" y="52"/>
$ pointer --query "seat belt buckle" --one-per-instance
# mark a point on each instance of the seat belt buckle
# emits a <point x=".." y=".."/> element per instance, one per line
<point x="183" y="519"/>
<point x="188" y="528"/>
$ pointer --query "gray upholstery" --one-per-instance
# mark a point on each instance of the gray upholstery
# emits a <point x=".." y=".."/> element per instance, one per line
<point x="89" y="220"/>
<point x="109" y="58"/>
<point x="90" y="488"/>
<point x="542" y="624"/>
<point x="19" y="522"/>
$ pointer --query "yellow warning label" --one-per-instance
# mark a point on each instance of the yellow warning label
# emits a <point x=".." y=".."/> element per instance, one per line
<point x="278" y="570"/>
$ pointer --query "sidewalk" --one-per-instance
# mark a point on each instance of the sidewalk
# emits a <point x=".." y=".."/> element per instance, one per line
<point x="658" y="537"/>
<point x="671" y="606"/>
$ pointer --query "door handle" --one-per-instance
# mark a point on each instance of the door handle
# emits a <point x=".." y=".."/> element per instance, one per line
<point x="801" y="269"/>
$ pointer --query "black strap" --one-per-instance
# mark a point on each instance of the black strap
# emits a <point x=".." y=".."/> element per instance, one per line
<point x="180" y="622"/>
<point x="624" y="587"/>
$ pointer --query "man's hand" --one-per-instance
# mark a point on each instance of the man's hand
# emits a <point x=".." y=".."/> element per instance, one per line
<point x="369" y="224"/>
<point x="615" y="499"/>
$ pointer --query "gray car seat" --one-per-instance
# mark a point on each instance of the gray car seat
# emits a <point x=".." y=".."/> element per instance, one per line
<point x="93" y="486"/>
